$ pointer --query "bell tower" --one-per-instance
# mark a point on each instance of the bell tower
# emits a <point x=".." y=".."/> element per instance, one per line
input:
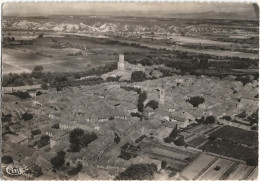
<point x="121" y="63"/>
<point x="162" y="95"/>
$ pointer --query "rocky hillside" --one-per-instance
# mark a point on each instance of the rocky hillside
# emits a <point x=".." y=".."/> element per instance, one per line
<point x="99" y="25"/>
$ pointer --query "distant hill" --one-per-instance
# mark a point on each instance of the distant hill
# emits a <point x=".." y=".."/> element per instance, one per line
<point x="215" y="15"/>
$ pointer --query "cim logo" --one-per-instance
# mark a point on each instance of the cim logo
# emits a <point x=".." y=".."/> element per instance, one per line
<point x="14" y="170"/>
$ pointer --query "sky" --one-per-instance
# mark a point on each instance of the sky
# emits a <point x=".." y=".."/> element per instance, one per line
<point x="128" y="9"/>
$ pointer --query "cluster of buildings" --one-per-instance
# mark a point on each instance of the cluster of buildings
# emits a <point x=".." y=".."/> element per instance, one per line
<point x="107" y="110"/>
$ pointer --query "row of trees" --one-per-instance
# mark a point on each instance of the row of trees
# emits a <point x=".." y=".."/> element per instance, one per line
<point x="207" y="120"/>
<point x="13" y="79"/>
<point x="140" y="102"/>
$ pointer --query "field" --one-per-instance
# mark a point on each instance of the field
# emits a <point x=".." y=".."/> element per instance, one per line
<point x="194" y="169"/>
<point x="198" y="140"/>
<point x="234" y="134"/>
<point x="45" y="52"/>
<point x="230" y="150"/>
<point x="175" y="157"/>
<point x="81" y="42"/>
<point x="240" y="172"/>
<point x="209" y="167"/>
<point x="213" y="174"/>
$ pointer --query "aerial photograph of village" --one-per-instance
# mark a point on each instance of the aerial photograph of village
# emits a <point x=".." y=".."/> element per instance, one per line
<point x="130" y="91"/>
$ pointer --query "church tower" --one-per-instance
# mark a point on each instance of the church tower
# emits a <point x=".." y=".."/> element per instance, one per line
<point x="121" y="63"/>
<point x="162" y="95"/>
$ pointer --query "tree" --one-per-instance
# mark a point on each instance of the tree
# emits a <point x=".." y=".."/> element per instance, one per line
<point x="195" y="101"/>
<point x="7" y="159"/>
<point x="210" y="119"/>
<point x="27" y="116"/>
<point x="79" y="138"/>
<point x="117" y="138"/>
<point x="38" y="93"/>
<point x="57" y="161"/>
<point x="172" y="136"/>
<point x="113" y="79"/>
<point x="41" y="35"/>
<point x="43" y="141"/>
<point x="180" y="141"/>
<point x="87" y="138"/>
<point x="76" y="135"/>
<point x="79" y="167"/>
<point x="22" y="95"/>
<point x="111" y="118"/>
<point x="56" y="126"/>
<point x="253" y="118"/>
<point x="75" y="171"/>
<point x="74" y="147"/>
<point x="244" y="79"/>
<point x="36" y="132"/>
<point x="141" y="98"/>
<point x="60" y="77"/>
<point x="61" y="153"/>
<point x="174" y="132"/>
<point x="36" y="170"/>
<point x="164" y="164"/>
<point x="38" y="68"/>
<point x="227" y="118"/>
<point x="18" y="82"/>
<point x="133" y="114"/>
<point x="153" y="104"/>
<point x="37" y="74"/>
<point x="200" y="120"/>
<point x="138" y="76"/>
<point x="44" y="86"/>
<point x="140" y="171"/>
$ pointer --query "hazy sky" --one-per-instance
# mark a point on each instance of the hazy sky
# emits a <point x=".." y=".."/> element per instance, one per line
<point x="31" y="9"/>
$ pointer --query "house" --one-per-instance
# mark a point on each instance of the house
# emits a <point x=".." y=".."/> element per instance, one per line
<point x="20" y="138"/>
<point x="28" y="162"/>
<point x="121" y="163"/>
<point x="83" y="157"/>
<point x="15" y="127"/>
<point x="43" y="160"/>
<point x="147" y="112"/>
<point x="59" y="138"/>
<point x="98" y="146"/>
<point x="37" y="103"/>
<point x="65" y="125"/>
<point x="49" y="131"/>
<point x="162" y="132"/>
<point x="20" y="152"/>
<point x="251" y="103"/>
<point x="135" y="135"/>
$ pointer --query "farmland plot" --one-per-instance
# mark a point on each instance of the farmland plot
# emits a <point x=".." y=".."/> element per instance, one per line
<point x="215" y="170"/>
<point x="241" y="172"/>
<point x="194" y="169"/>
